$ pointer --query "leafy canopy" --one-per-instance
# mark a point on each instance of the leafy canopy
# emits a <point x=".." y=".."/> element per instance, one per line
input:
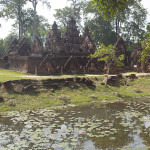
<point x="110" y="7"/>
<point x="108" y="55"/>
<point x="146" y="48"/>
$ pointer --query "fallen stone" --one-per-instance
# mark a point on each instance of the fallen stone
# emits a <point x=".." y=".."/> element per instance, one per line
<point x="11" y="103"/>
<point x="65" y="98"/>
<point x="8" y="85"/>
<point x="111" y="81"/>
<point x="19" y="89"/>
<point x="137" y="91"/>
<point x="93" y="96"/>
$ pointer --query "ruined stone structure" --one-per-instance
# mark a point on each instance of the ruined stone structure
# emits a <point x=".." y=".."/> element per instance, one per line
<point x="136" y="64"/>
<point x="120" y="47"/>
<point x="61" y="54"/>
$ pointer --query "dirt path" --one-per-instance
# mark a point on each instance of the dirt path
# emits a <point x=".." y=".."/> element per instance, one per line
<point x="86" y="75"/>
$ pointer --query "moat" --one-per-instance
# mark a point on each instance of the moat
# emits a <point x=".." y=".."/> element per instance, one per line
<point x="113" y="125"/>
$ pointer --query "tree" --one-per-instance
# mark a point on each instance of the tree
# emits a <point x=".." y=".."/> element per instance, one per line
<point x="101" y="30"/>
<point x="42" y="25"/>
<point x="146" y="48"/>
<point x="133" y="28"/>
<point x="110" y="7"/>
<point x="13" y="9"/>
<point x="34" y="4"/>
<point x="5" y="43"/>
<point x="75" y="10"/>
<point x="108" y="55"/>
<point x="62" y="15"/>
<point x="2" y="47"/>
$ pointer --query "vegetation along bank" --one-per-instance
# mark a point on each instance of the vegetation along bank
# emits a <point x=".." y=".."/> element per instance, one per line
<point x="21" y="93"/>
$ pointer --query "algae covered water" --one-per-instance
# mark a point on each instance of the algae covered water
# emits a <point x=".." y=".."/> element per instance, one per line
<point x="95" y="126"/>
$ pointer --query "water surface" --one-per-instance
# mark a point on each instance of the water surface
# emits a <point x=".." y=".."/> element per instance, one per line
<point x="115" y="125"/>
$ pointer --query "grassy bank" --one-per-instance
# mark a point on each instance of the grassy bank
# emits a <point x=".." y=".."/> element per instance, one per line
<point x="74" y="94"/>
<point x="12" y="75"/>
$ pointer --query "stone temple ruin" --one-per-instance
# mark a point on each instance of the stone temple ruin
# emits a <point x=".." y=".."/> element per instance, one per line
<point x="61" y="54"/>
<point x="136" y="64"/>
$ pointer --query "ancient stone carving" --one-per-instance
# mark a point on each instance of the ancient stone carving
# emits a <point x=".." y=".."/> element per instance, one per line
<point x="120" y="47"/>
<point x="87" y="45"/>
<point x="24" y="48"/>
<point x="72" y="39"/>
<point x="37" y="47"/>
<point x="54" y="41"/>
<point x="135" y="57"/>
<point x="13" y="47"/>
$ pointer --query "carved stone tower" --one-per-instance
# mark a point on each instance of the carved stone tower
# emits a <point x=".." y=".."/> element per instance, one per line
<point x="54" y="41"/>
<point x="87" y="44"/>
<point x="72" y="39"/>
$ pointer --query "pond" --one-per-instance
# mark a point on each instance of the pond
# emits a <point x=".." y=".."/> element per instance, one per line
<point x="95" y="126"/>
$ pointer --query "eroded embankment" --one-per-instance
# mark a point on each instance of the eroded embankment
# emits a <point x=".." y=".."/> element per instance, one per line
<point x="29" y="93"/>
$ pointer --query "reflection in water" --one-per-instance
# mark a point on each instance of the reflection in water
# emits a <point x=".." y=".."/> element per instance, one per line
<point x="92" y="127"/>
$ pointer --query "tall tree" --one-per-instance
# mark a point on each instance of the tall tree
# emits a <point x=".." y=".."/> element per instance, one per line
<point x="13" y="9"/>
<point x="102" y="30"/>
<point x="75" y="10"/>
<point x="34" y="4"/>
<point x="42" y="25"/>
<point x="130" y="23"/>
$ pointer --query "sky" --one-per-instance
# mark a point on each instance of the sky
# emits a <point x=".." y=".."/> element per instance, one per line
<point x="55" y="4"/>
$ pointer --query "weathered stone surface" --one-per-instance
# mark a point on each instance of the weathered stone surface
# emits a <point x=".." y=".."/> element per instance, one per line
<point x="1" y="99"/>
<point x="19" y="89"/>
<point x="13" y="50"/>
<point x="11" y="103"/>
<point x="54" y="42"/>
<point x="30" y="88"/>
<point x="24" y="48"/>
<point x="131" y="76"/>
<point x="120" y="47"/>
<point x="37" y="48"/>
<point x="135" y="57"/>
<point x="93" y="96"/>
<point x="62" y="53"/>
<point x="117" y="80"/>
<point x="111" y="81"/>
<point x="8" y="85"/>
<point x="87" y="45"/>
<point x="27" y="85"/>
<point x="72" y="39"/>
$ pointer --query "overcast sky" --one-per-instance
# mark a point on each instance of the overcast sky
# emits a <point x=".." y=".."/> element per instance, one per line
<point x="55" y="4"/>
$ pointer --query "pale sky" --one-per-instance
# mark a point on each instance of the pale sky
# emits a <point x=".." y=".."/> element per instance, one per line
<point x="55" y="4"/>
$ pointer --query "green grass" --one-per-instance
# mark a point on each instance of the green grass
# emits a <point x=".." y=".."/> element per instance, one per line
<point x="78" y="93"/>
<point x="6" y="75"/>
<point x="12" y="75"/>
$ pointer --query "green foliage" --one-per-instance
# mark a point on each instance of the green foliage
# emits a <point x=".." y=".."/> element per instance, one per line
<point x="34" y="4"/>
<point x="109" y="8"/>
<point x="13" y="9"/>
<point x="75" y="10"/>
<point x="5" y="43"/>
<point x="64" y="14"/>
<point x="146" y="48"/>
<point x="108" y="55"/>
<point x="2" y="47"/>
<point x="101" y="30"/>
<point x="133" y="29"/>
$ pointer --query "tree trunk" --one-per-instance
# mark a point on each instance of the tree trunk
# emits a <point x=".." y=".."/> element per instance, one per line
<point x="34" y="19"/>
<point x="19" y="19"/>
<point x="108" y="69"/>
<point x="116" y="29"/>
